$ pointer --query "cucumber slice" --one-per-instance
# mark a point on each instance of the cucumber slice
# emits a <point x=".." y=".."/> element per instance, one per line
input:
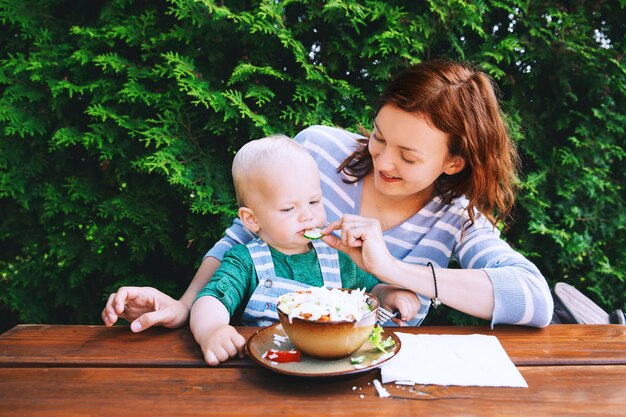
<point x="357" y="360"/>
<point x="313" y="234"/>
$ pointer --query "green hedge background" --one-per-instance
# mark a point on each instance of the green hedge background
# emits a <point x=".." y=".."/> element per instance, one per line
<point x="119" y="120"/>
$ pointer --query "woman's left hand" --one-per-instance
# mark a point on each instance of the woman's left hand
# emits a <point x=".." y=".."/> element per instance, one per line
<point x="362" y="240"/>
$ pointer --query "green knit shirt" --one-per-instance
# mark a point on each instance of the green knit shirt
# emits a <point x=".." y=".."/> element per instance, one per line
<point x="235" y="280"/>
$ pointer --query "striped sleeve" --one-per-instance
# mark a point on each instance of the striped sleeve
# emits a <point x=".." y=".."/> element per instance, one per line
<point x="234" y="235"/>
<point x="521" y="293"/>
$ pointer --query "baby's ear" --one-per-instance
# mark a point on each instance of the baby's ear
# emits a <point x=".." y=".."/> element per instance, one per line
<point x="248" y="219"/>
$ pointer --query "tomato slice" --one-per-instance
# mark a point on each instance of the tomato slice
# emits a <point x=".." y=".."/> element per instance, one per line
<point x="282" y="356"/>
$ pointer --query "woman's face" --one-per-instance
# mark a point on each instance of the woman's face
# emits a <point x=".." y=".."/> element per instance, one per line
<point x="408" y="153"/>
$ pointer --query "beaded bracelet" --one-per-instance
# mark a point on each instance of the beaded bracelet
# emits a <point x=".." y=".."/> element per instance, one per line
<point x="435" y="302"/>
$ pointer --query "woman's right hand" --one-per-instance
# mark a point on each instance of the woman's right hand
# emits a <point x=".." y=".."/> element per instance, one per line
<point x="144" y="307"/>
<point x="362" y="240"/>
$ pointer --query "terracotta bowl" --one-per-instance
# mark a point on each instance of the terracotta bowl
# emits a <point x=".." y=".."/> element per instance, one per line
<point x="332" y="339"/>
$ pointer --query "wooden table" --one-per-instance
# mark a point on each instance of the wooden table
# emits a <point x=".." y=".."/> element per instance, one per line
<point x="93" y="370"/>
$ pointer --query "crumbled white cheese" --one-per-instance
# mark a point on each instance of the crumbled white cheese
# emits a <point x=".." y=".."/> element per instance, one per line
<point x="335" y="303"/>
<point x="280" y="338"/>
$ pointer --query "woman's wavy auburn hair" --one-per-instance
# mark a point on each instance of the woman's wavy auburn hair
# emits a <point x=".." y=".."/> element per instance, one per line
<point x="460" y="101"/>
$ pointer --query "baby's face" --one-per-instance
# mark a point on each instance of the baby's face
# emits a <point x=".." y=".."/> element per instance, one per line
<point x="286" y="203"/>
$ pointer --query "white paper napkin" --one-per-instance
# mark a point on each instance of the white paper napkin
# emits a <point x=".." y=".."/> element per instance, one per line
<point x="477" y="360"/>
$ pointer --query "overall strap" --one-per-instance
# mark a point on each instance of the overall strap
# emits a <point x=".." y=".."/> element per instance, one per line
<point x="261" y="308"/>
<point x="262" y="258"/>
<point x="328" y="259"/>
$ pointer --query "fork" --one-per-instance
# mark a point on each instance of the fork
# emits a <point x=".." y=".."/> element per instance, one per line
<point x="385" y="315"/>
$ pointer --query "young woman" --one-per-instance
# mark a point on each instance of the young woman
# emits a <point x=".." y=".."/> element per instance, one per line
<point x="428" y="186"/>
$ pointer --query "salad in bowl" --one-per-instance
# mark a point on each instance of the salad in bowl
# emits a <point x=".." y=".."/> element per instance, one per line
<point x="328" y="323"/>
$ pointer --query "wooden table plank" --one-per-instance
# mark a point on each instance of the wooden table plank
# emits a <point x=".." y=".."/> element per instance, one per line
<point x="52" y="345"/>
<point x="553" y="390"/>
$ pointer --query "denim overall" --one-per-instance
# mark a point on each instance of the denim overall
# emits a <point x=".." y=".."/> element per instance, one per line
<point x="261" y="309"/>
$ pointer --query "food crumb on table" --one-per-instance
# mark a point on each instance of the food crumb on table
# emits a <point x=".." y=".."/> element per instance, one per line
<point x="404" y="382"/>
<point x="382" y="392"/>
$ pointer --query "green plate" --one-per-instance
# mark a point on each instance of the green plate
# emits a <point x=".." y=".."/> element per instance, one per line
<point x="263" y="340"/>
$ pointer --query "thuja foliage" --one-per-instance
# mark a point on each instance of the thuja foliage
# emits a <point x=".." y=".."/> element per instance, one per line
<point x="120" y="118"/>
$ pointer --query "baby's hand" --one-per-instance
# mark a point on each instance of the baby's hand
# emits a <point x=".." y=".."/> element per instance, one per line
<point x="405" y="301"/>
<point x="223" y="343"/>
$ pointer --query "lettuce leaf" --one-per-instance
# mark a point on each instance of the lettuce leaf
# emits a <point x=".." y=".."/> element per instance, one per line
<point x="376" y="339"/>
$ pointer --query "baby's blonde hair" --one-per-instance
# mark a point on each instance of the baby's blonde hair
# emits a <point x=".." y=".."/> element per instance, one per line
<point x="258" y="154"/>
